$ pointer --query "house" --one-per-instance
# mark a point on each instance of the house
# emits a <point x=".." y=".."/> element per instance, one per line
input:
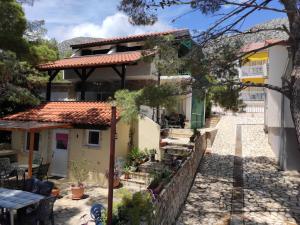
<point x="97" y="69"/>
<point x="254" y="68"/>
<point x="66" y="131"/>
<point x="272" y="63"/>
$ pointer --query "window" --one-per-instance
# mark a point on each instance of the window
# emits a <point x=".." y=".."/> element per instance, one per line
<point x="5" y="137"/>
<point x="62" y="141"/>
<point x="93" y="137"/>
<point x="36" y="141"/>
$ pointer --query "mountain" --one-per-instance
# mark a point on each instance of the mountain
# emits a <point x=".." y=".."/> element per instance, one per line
<point x="65" y="49"/>
<point x="270" y="34"/>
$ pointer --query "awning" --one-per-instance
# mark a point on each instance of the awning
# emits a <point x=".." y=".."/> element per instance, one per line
<point x="30" y="125"/>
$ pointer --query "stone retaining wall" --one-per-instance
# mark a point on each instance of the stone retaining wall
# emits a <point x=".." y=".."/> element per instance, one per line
<point x="172" y="197"/>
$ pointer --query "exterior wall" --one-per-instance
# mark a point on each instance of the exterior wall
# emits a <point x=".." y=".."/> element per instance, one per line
<point x="18" y="144"/>
<point x="283" y="141"/>
<point x="143" y="70"/>
<point x="97" y="157"/>
<point x="178" y="188"/>
<point x="147" y="135"/>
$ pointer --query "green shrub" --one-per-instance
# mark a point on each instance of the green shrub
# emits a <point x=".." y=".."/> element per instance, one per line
<point x="133" y="210"/>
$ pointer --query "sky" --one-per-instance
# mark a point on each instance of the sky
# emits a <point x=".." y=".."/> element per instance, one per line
<point x="65" y="19"/>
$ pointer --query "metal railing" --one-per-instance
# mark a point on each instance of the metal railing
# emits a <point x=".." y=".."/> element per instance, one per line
<point x="253" y="71"/>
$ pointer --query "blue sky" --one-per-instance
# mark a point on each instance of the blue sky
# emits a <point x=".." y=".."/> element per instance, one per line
<point x="100" y="18"/>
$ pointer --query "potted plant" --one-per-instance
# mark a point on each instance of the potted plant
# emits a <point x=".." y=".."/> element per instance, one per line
<point x="80" y="173"/>
<point x="152" y="153"/>
<point x="126" y="171"/>
<point x="117" y="174"/>
<point x="55" y="191"/>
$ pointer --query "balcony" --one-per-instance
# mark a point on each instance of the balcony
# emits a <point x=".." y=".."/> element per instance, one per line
<point x="253" y="71"/>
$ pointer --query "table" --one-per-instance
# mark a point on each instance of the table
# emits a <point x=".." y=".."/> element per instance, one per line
<point x="25" y="166"/>
<point x="16" y="199"/>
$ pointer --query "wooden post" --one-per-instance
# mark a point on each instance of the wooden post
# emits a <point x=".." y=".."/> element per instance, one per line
<point x="52" y="75"/>
<point x="31" y="146"/>
<point x="111" y="165"/>
<point x="83" y="84"/>
<point x="123" y="84"/>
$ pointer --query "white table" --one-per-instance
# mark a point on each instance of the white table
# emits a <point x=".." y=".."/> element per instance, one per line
<point x="13" y="200"/>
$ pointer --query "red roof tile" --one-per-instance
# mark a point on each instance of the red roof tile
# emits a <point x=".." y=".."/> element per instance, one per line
<point x="75" y="113"/>
<point x="137" y="37"/>
<point x="258" y="45"/>
<point x="93" y="61"/>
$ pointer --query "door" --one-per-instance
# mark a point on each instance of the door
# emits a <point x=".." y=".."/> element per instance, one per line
<point x="60" y="153"/>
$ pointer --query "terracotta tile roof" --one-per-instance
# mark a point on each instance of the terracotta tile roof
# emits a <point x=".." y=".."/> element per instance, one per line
<point x="75" y="113"/>
<point x="258" y="45"/>
<point x="93" y="61"/>
<point x="137" y="37"/>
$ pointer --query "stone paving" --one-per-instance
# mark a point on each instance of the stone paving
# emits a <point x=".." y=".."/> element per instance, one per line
<point x="269" y="197"/>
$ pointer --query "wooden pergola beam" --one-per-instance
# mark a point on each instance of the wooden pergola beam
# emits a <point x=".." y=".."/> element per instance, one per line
<point x="31" y="149"/>
<point x="122" y="74"/>
<point x="83" y="75"/>
<point x="52" y="75"/>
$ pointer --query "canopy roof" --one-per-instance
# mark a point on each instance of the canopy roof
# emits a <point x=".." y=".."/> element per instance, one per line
<point x="30" y="125"/>
<point x="131" y="38"/>
<point x="96" y="114"/>
<point x="92" y="61"/>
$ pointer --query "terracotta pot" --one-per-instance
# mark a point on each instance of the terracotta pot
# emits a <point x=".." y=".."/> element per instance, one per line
<point x="77" y="192"/>
<point x="55" y="192"/>
<point x="116" y="182"/>
<point x="126" y="176"/>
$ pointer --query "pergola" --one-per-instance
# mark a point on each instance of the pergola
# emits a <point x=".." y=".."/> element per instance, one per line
<point x="84" y="66"/>
<point x="31" y="127"/>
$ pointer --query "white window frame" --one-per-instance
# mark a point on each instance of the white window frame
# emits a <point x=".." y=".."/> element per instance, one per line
<point x="25" y="142"/>
<point x="87" y="138"/>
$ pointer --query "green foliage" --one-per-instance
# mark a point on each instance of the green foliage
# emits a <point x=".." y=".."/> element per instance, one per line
<point x="18" y="84"/>
<point x="79" y="170"/>
<point x="12" y="27"/>
<point x="127" y="101"/>
<point x="20" y="51"/>
<point x="227" y="97"/>
<point x="164" y="95"/>
<point x="136" y="156"/>
<point x="135" y="209"/>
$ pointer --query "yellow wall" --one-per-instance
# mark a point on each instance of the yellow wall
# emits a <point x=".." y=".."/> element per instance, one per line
<point x="18" y="143"/>
<point x="97" y="157"/>
<point x="147" y="135"/>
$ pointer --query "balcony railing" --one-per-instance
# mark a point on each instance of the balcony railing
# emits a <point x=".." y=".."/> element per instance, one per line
<point x="253" y="71"/>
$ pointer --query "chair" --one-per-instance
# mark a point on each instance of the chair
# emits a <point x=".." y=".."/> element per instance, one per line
<point x="38" y="187"/>
<point x="42" y="171"/>
<point x="7" y="170"/>
<point x="41" y="215"/>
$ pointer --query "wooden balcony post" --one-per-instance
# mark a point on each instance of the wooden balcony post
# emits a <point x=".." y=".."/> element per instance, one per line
<point x="30" y="157"/>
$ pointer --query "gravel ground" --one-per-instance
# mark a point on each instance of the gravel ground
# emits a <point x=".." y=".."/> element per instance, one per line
<point x="269" y="197"/>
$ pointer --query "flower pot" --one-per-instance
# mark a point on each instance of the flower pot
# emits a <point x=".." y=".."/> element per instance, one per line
<point x="55" y="192"/>
<point x="116" y="182"/>
<point x="77" y="192"/>
<point x="126" y="175"/>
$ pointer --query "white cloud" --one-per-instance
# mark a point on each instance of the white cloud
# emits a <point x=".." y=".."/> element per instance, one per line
<point x="115" y="25"/>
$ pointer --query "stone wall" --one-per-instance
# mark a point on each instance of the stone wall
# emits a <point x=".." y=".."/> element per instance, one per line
<point x="172" y="197"/>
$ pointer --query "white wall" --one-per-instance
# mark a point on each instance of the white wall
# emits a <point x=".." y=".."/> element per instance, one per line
<point x="140" y="71"/>
<point x="277" y="64"/>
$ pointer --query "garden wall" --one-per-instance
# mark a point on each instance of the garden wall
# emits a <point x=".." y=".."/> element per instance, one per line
<point x="172" y="197"/>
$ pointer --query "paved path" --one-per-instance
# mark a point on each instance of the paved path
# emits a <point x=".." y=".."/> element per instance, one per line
<point x="239" y="183"/>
